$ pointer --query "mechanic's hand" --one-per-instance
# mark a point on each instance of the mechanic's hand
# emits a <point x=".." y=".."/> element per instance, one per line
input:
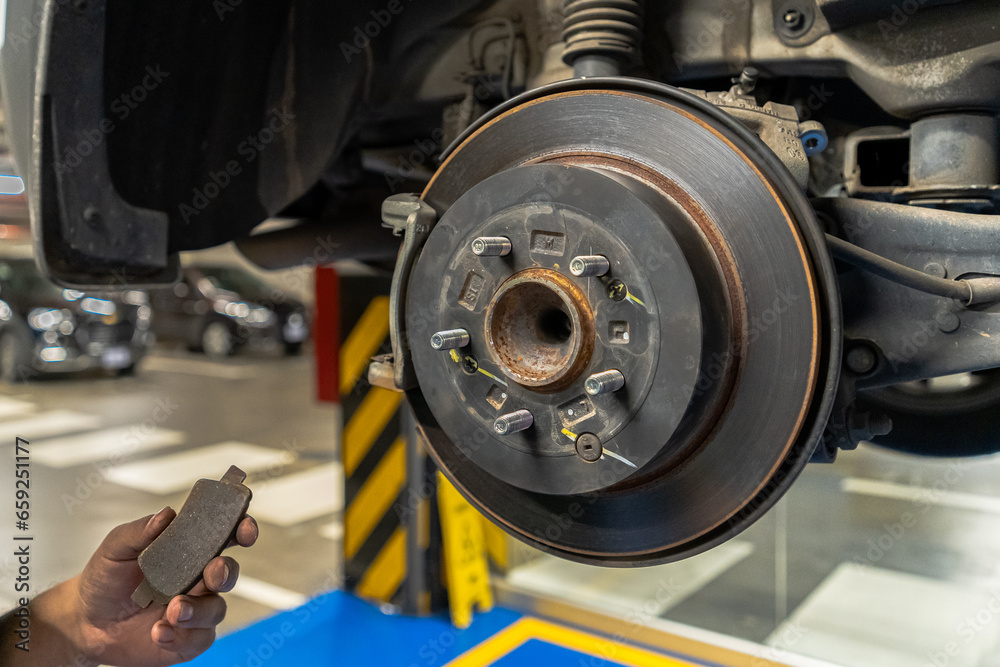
<point x="114" y="630"/>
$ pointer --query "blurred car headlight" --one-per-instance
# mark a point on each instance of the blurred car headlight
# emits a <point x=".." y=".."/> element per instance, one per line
<point x="5" y="311"/>
<point x="45" y="319"/>
<point x="51" y="354"/>
<point x="135" y="297"/>
<point x="71" y="294"/>
<point x="98" y="306"/>
<point x="143" y="316"/>
<point x="233" y="308"/>
<point x="296" y="320"/>
<point x="260" y="316"/>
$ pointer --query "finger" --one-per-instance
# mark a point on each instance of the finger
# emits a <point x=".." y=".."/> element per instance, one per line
<point x="128" y="540"/>
<point x="205" y="611"/>
<point x="247" y="532"/>
<point x="220" y="574"/>
<point x="187" y="644"/>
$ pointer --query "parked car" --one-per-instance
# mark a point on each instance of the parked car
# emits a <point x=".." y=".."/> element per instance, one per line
<point x="219" y="309"/>
<point x="45" y="328"/>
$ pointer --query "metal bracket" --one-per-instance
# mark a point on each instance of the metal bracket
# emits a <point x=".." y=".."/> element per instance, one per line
<point x="413" y="218"/>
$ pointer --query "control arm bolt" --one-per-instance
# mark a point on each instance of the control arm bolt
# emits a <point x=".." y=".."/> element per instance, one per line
<point x="450" y="339"/>
<point x="491" y="246"/>
<point x="604" y="383"/>
<point x="514" y="422"/>
<point x="589" y="265"/>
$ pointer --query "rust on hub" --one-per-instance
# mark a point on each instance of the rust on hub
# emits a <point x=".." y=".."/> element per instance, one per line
<point x="540" y="329"/>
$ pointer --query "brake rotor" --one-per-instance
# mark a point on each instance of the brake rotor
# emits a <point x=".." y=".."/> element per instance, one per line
<point x="648" y="348"/>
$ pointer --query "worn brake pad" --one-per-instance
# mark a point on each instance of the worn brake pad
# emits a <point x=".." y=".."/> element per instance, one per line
<point x="174" y="562"/>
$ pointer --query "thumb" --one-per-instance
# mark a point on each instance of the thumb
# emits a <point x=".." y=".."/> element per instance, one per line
<point x="128" y="540"/>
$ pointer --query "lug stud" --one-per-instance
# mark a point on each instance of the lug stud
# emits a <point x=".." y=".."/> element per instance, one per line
<point x="491" y="246"/>
<point x="604" y="383"/>
<point x="450" y="339"/>
<point x="589" y="265"/>
<point x="513" y="422"/>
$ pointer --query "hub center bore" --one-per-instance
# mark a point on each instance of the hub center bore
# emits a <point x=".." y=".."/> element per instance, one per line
<point x="540" y="329"/>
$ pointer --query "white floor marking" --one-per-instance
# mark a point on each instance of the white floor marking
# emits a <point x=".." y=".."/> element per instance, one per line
<point x="178" y="472"/>
<point x="10" y="407"/>
<point x="267" y="594"/>
<point x="205" y="368"/>
<point x="110" y="444"/>
<point x="865" y="616"/>
<point x="47" y="425"/>
<point x="648" y="592"/>
<point x="921" y="494"/>
<point x="333" y="530"/>
<point x="301" y="496"/>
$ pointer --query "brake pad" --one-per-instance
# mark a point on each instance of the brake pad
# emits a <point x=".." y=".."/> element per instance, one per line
<point x="174" y="562"/>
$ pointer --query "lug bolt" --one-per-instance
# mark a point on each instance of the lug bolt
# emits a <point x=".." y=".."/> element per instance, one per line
<point x="491" y="246"/>
<point x="450" y="339"/>
<point x="514" y="422"/>
<point x="604" y="383"/>
<point x="589" y="265"/>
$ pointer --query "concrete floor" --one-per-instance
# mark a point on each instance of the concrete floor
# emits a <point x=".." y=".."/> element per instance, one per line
<point x="879" y="559"/>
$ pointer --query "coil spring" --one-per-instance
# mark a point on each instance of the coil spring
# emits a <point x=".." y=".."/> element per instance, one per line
<point x="608" y="28"/>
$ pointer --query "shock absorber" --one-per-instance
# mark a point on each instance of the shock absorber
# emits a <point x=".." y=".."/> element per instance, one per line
<point x="602" y="36"/>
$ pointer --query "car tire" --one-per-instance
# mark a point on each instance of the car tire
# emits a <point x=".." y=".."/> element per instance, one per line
<point x="941" y="424"/>
<point x="128" y="371"/>
<point x="14" y="363"/>
<point x="293" y="349"/>
<point x="217" y="340"/>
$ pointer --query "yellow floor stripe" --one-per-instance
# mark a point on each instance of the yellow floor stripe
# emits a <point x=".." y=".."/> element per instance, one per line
<point x="387" y="571"/>
<point x="521" y="631"/>
<point x="375" y="498"/>
<point x="366" y="424"/>
<point x="363" y="342"/>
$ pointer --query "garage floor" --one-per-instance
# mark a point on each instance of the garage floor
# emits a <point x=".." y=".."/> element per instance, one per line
<point x="108" y="450"/>
<point x="880" y="559"/>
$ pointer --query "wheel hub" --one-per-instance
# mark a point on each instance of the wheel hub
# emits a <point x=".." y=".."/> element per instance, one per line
<point x="540" y="329"/>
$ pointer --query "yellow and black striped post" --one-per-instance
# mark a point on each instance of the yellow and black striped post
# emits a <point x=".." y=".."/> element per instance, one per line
<point x="391" y="536"/>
